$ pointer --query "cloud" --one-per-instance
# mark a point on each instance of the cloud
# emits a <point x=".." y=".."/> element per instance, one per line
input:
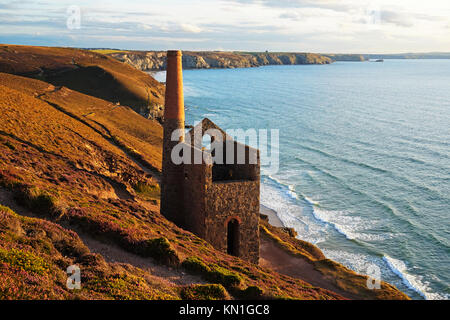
<point x="290" y="16"/>
<point x="6" y="6"/>
<point x="190" y="28"/>
<point x="428" y="17"/>
<point x="335" y="5"/>
<point x="290" y="25"/>
<point x="396" y="18"/>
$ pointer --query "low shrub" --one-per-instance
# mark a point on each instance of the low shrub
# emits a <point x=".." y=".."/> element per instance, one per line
<point x="10" y="179"/>
<point x="252" y="293"/>
<point x="224" y="276"/>
<point x="71" y="248"/>
<point x="148" y="192"/>
<point x="120" y="286"/>
<point x="7" y="210"/>
<point x="10" y="145"/>
<point x="204" y="292"/>
<point x="23" y="260"/>
<point x="40" y="201"/>
<point x="195" y="265"/>
<point x="161" y="250"/>
<point x="213" y="272"/>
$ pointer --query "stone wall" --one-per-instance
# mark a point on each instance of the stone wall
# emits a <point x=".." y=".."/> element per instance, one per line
<point x="208" y="207"/>
<point x="239" y="200"/>
<point x="213" y="196"/>
<point x="194" y="201"/>
<point x="195" y="186"/>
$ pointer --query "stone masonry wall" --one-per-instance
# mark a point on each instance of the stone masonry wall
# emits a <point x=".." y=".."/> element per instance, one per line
<point x="234" y="199"/>
<point x="209" y="205"/>
<point x="195" y="186"/>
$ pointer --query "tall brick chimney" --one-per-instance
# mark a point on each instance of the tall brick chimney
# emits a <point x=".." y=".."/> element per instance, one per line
<point x="173" y="175"/>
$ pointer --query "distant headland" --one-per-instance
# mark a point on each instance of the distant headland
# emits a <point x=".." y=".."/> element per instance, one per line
<point x="156" y="60"/>
<point x="80" y="183"/>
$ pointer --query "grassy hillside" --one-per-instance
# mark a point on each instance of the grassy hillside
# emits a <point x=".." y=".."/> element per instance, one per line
<point x="88" y="72"/>
<point x="81" y="177"/>
<point x="67" y="171"/>
<point x="35" y="253"/>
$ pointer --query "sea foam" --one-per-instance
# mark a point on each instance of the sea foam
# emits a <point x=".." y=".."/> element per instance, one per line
<point x="351" y="226"/>
<point x="414" y="282"/>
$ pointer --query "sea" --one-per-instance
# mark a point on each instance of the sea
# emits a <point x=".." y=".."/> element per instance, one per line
<point x="364" y="158"/>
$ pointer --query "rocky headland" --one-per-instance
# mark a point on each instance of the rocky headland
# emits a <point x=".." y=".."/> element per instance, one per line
<point x="346" y="57"/>
<point x="156" y="60"/>
<point x="79" y="184"/>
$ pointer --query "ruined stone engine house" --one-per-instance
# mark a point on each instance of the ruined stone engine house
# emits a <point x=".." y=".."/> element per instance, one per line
<point x="216" y="199"/>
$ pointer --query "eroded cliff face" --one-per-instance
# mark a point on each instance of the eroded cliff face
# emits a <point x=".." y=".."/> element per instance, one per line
<point x="156" y="60"/>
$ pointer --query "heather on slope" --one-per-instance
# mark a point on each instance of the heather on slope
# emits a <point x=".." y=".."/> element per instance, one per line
<point x="87" y="72"/>
<point x="88" y="164"/>
<point x="67" y="171"/>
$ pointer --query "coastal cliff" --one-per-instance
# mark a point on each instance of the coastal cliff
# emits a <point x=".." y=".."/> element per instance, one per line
<point x="156" y="60"/>
<point x="79" y="184"/>
<point x="346" y="57"/>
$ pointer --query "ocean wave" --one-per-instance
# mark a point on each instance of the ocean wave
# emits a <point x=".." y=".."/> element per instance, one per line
<point x="414" y="282"/>
<point x="290" y="211"/>
<point x="326" y="173"/>
<point x="339" y="228"/>
<point x="311" y="201"/>
<point x="425" y="141"/>
<point x="351" y="226"/>
<point x="386" y="206"/>
<point x="345" y="228"/>
<point x="358" y="262"/>
<point x="400" y="178"/>
<point x="374" y="149"/>
<point x="348" y="161"/>
<point x="290" y="189"/>
<point x="403" y="203"/>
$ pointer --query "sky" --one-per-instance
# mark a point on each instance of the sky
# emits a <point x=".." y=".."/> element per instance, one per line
<point x="323" y="26"/>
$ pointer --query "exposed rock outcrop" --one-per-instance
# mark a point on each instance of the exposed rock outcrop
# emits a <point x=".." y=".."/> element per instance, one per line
<point x="156" y="60"/>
